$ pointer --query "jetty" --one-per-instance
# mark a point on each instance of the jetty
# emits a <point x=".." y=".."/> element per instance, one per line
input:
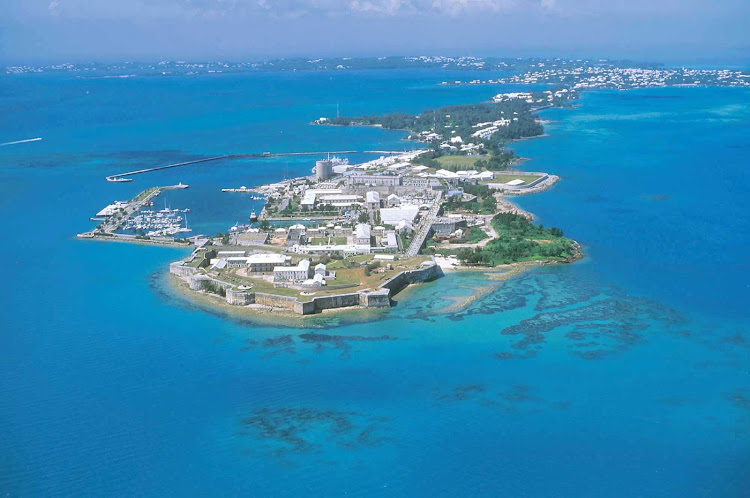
<point x="121" y="177"/>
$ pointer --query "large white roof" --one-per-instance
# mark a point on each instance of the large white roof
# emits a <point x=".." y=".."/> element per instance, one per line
<point x="362" y="231"/>
<point x="391" y="216"/>
<point x="270" y="258"/>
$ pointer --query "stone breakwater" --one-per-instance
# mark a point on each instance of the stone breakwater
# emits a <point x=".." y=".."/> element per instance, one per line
<point x="378" y="298"/>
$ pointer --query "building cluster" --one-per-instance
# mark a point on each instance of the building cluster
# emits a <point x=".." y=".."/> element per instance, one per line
<point x="303" y="274"/>
<point x="584" y="75"/>
<point x="361" y="238"/>
<point x="275" y="267"/>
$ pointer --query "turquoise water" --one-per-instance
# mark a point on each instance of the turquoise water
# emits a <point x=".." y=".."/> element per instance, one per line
<point x="625" y="374"/>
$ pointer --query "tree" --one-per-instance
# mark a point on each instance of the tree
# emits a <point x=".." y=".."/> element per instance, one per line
<point x="489" y="204"/>
<point x="364" y="217"/>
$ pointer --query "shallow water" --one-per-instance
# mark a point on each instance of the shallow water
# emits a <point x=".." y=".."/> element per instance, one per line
<point x="623" y="374"/>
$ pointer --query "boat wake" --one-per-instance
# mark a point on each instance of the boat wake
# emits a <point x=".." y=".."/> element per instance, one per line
<point x="21" y="141"/>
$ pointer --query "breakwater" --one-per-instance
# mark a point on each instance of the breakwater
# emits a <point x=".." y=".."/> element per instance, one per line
<point x="264" y="155"/>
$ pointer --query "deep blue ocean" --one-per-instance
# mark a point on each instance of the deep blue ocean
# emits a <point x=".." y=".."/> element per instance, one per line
<point x="624" y="374"/>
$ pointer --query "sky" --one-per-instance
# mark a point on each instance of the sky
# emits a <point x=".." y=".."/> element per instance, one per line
<point x="36" y="31"/>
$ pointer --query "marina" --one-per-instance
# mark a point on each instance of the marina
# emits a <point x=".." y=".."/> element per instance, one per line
<point x="160" y="223"/>
<point x="129" y="215"/>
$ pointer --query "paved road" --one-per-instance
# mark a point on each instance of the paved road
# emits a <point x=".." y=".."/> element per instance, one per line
<point x="424" y="228"/>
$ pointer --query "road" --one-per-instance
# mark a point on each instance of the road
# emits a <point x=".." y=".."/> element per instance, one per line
<point x="423" y="229"/>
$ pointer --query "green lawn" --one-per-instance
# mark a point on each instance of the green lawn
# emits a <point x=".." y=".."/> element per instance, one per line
<point x="506" y="177"/>
<point x="475" y="235"/>
<point x="322" y="241"/>
<point x="462" y="162"/>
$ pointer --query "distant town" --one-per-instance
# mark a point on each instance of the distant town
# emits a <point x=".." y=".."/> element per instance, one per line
<point x="574" y="73"/>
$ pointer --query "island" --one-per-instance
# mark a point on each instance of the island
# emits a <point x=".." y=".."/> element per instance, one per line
<point x="355" y="235"/>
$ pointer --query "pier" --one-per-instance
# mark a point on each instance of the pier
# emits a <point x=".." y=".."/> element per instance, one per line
<point x="119" y="177"/>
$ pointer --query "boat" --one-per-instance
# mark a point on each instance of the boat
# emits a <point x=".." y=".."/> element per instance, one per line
<point x="253" y="217"/>
<point x="117" y="179"/>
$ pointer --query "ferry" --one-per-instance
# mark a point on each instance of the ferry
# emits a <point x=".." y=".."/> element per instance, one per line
<point x="253" y="217"/>
<point x="117" y="179"/>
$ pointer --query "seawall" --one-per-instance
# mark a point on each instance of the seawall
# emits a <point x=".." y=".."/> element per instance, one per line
<point x="379" y="298"/>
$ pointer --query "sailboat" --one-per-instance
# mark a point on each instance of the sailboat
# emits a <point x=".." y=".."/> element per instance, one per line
<point x="186" y="228"/>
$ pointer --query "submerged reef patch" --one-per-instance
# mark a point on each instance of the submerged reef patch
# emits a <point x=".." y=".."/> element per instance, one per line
<point x="593" y="320"/>
<point x="284" y="432"/>
<point x="515" y="398"/>
<point x="288" y="343"/>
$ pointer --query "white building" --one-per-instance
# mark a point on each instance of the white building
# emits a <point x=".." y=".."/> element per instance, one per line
<point x="391" y="216"/>
<point x="373" y="200"/>
<point x="316" y="281"/>
<point x="292" y="273"/>
<point x="404" y="226"/>
<point x="266" y="262"/>
<point x="340" y="200"/>
<point x="362" y="234"/>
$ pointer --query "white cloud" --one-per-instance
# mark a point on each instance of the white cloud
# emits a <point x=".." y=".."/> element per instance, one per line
<point x="54" y="8"/>
<point x="214" y="9"/>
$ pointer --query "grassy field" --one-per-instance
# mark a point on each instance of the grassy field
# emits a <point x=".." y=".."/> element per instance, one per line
<point x="506" y="177"/>
<point x="475" y="235"/>
<point x="352" y="276"/>
<point x="322" y="241"/>
<point x="464" y="162"/>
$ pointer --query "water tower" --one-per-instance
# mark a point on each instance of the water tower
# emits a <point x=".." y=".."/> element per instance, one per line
<point x="323" y="170"/>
